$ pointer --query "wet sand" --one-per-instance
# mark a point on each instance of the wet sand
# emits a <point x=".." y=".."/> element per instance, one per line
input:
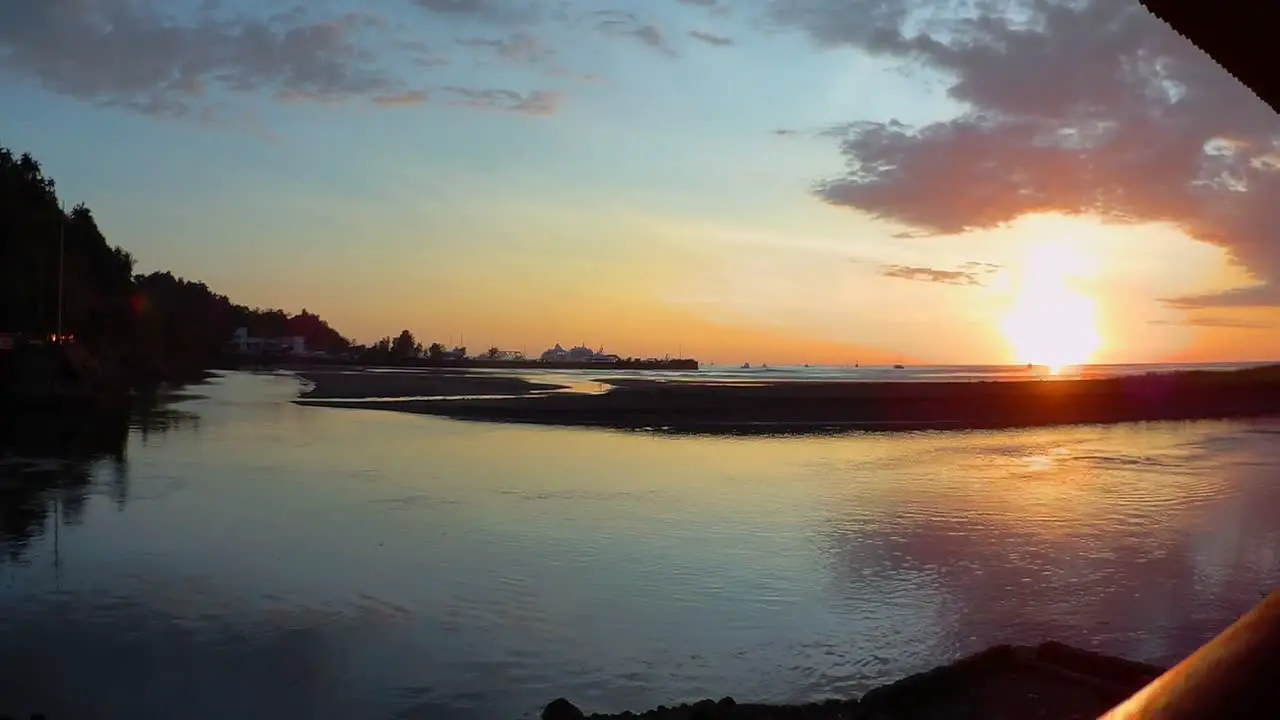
<point x="330" y="384"/>
<point x="793" y="407"/>
<point x="1051" y="681"/>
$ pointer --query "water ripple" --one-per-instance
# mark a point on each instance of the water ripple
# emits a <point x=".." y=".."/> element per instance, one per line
<point x="282" y="560"/>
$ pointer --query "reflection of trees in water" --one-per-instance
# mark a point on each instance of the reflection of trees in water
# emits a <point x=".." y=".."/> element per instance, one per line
<point x="53" y="461"/>
<point x="160" y="419"/>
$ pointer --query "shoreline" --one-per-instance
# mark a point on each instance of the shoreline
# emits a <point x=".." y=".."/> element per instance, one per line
<point x="797" y="407"/>
<point x="358" y="384"/>
<point x="1051" y="681"/>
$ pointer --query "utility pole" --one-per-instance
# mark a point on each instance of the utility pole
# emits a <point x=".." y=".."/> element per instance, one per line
<point x="62" y="241"/>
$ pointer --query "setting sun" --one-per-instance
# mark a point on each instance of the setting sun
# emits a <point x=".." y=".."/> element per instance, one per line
<point x="1050" y="322"/>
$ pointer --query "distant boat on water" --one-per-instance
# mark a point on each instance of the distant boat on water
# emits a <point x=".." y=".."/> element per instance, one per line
<point x="898" y="366"/>
<point x="746" y="366"/>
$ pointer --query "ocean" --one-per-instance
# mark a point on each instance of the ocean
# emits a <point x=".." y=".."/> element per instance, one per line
<point x="583" y="379"/>
<point x="239" y="555"/>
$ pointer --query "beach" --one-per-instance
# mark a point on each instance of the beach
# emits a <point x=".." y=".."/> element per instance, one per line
<point x="797" y="407"/>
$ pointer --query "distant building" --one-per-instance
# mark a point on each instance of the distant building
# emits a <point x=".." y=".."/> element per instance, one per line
<point x="458" y="353"/>
<point x="579" y="354"/>
<point x="245" y="344"/>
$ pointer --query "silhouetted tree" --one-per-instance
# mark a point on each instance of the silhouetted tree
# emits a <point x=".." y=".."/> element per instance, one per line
<point x="493" y="353"/>
<point x="405" y="346"/>
<point x="436" y="351"/>
<point x="136" y="329"/>
<point x="318" y="334"/>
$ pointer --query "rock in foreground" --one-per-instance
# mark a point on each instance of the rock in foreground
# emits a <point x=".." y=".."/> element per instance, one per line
<point x="1049" y="682"/>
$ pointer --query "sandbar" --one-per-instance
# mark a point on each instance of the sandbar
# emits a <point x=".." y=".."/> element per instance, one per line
<point x="351" y="384"/>
<point x="830" y="406"/>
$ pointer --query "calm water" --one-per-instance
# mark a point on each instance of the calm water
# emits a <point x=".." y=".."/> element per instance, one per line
<point x="248" y="557"/>
<point x="588" y="380"/>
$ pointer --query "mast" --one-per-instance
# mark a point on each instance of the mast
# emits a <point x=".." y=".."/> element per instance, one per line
<point x="62" y="241"/>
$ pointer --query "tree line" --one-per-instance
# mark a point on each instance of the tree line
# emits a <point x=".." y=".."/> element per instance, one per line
<point x="139" y="327"/>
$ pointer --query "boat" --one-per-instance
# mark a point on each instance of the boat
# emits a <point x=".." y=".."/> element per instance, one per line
<point x="746" y="366"/>
<point x="899" y="367"/>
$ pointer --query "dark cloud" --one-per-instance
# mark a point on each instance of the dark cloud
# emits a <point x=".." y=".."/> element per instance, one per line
<point x="131" y="54"/>
<point x="970" y="274"/>
<point x="518" y="48"/>
<point x="503" y="11"/>
<point x="625" y="24"/>
<point x="538" y="102"/>
<point x="710" y="39"/>
<point x="456" y="7"/>
<point x="1083" y="106"/>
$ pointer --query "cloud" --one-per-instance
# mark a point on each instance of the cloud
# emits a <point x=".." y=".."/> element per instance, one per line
<point x="518" y="48"/>
<point x="982" y="267"/>
<point x="710" y="39"/>
<point x="1216" y="322"/>
<point x="456" y="7"/>
<point x="590" y="78"/>
<point x="629" y="25"/>
<point x="404" y="99"/>
<point x="131" y="54"/>
<point x="1087" y="106"/>
<point x="538" y="102"/>
<point x="501" y="11"/>
<point x="971" y="274"/>
<point x="422" y="54"/>
<point x="716" y="7"/>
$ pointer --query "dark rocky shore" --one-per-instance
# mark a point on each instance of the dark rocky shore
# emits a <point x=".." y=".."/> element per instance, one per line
<point x="1051" y="681"/>
<point x="793" y="407"/>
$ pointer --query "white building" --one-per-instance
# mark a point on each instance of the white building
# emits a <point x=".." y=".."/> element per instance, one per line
<point x="579" y="354"/>
<point x="246" y="344"/>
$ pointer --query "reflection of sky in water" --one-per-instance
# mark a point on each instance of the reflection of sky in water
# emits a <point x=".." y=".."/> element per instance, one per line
<point x="342" y="563"/>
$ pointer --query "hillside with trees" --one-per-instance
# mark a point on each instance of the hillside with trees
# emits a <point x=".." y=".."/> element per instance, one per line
<point x="138" y="329"/>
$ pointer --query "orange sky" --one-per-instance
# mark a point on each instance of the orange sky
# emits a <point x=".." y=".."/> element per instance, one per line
<point x="780" y="182"/>
<point x="1055" y="290"/>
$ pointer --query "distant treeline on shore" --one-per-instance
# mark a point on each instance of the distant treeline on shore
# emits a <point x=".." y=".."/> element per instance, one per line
<point x="60" y="277"/>
<point x="365" y="358"/>
<point x="138" y="328"/>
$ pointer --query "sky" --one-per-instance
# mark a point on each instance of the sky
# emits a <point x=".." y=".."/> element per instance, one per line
<point x="782" y="181"/>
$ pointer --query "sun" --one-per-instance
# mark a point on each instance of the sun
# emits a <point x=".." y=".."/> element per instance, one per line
<point x="1053" y="327"/>
<point x="1050" y="322"/>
